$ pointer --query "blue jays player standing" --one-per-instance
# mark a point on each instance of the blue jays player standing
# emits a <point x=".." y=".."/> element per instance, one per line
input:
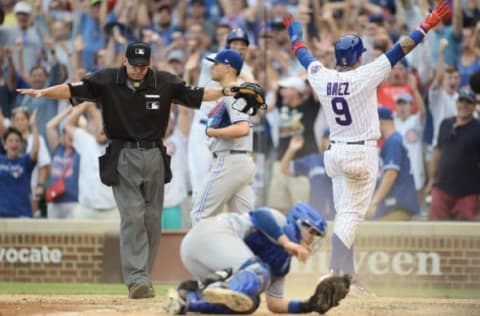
<point x="199" y="155"/>
<point x="230" y="180"/>
<point x="348" y="95"/>
<point x="257" y="247"/>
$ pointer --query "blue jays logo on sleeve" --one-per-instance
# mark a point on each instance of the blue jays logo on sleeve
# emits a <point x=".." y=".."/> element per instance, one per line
<point x="315" y="69"/>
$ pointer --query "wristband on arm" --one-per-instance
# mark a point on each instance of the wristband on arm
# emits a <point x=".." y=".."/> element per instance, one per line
<point x="298" y="307"/>
<point x="297" y="45"/>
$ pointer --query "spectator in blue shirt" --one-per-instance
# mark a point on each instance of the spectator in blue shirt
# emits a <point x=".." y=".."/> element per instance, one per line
<point x="11" y="81"/>
<point x="395" y="197"/>
<point x="66" y="165"/>
<point x="15" y="172"/>
<point x="452" y="33"/>
<point x="47" y="108"/>
<point x="90" y="29"/>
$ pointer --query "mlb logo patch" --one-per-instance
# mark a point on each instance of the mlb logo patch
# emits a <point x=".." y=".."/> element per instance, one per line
<point x="153" y="105"/>
<point x="139" y="51"/>
<point x="153" y="101"/>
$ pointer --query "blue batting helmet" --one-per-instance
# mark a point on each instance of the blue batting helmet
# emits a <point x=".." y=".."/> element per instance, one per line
<point x="237" y="34"/>
<point x="302" y="215"/>
<point x="348" y="50"/>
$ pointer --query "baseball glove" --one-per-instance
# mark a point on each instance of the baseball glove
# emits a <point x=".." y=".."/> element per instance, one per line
<point x="254" y="96"/>
<point x="329" y="293"/>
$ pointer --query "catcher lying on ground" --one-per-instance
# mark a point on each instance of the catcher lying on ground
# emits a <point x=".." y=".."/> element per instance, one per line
<point x="236" y="257"/>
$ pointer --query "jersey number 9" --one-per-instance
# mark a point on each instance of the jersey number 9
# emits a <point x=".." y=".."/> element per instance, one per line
<point x="341" y="110"/>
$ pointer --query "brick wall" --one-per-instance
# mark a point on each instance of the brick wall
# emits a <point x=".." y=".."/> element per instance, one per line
<point x="408" y="255"/>
<point x="414" y="254"/>
<point x="422" y="261"/>
<point x="51" y="257"/>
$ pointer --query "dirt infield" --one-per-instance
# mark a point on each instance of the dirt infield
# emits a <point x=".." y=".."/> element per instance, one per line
<point x="116" y="305"/>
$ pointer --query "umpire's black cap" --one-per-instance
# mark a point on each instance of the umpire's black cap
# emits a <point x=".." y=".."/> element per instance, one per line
<point x="138" y="54"/>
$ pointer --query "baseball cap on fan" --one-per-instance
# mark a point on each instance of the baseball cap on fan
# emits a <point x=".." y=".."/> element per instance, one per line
<point x="293" y="82"/>
<point x="22" y="7"/>
<point x="384" y="113"/>
<point x="404" y="97"/>
<point x="468" y="96"/>
<point x="138" y="54"/>
<point x="228" y="57"/>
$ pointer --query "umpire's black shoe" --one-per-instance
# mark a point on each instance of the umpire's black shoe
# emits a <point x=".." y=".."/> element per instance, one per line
<point x="141" y="290"/>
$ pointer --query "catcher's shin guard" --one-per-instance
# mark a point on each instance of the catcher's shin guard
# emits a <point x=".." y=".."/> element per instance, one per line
<point x="239" y="291"/>
<point x="197" y="304"/>
<point x="251" y="279"/>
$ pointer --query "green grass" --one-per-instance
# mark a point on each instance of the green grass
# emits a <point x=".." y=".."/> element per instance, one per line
<point x="69" y="288"/>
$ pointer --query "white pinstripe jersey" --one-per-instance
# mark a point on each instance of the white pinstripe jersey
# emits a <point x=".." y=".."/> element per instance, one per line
<point x="350" y="98"/>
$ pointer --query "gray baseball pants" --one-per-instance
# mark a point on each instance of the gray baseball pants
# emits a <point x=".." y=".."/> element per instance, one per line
<point x="139" y="197"/>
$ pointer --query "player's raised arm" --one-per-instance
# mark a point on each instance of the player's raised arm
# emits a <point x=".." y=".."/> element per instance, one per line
<point x="295" y="33"/>
<point x="405" y="46"/>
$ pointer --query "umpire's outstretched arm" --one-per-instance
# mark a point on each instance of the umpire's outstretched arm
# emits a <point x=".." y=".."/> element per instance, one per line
<point x="62" y="91"/>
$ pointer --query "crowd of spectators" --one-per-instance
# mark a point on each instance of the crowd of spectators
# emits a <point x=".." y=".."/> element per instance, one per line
<point x="45" y="42"/>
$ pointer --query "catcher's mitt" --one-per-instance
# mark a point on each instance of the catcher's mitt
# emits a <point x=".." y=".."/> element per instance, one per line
<point x="254" y="96"/>
<point x="329" y="293"/>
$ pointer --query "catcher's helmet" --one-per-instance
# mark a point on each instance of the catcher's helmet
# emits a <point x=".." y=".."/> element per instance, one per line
<point x="237" y="34"/>
<point x="348" y="50"/>
<point x="302" y="215"/>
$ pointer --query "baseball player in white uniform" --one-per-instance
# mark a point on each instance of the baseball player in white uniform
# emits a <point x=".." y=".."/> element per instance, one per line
<point x="199" y="156"/>
<point x="348" y="95"/>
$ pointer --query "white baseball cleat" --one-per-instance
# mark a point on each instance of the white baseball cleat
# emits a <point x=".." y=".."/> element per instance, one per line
<point x="174" y="304"/>
<point x="326" y="276"/>
<point x="358" y="290"/>
<point x="236" y="301"/>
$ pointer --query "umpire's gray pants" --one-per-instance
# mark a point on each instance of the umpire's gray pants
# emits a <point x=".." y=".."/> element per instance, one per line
<point x="139" y="197"/>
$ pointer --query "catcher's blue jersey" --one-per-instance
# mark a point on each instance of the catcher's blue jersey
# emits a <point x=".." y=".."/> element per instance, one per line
<point x="271" y="253"/>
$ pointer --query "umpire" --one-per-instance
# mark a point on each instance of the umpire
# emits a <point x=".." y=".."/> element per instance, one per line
<point x="135" y="102"/>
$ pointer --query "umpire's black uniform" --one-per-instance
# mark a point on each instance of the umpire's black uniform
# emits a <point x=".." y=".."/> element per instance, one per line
<point x="135" y="116"/>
